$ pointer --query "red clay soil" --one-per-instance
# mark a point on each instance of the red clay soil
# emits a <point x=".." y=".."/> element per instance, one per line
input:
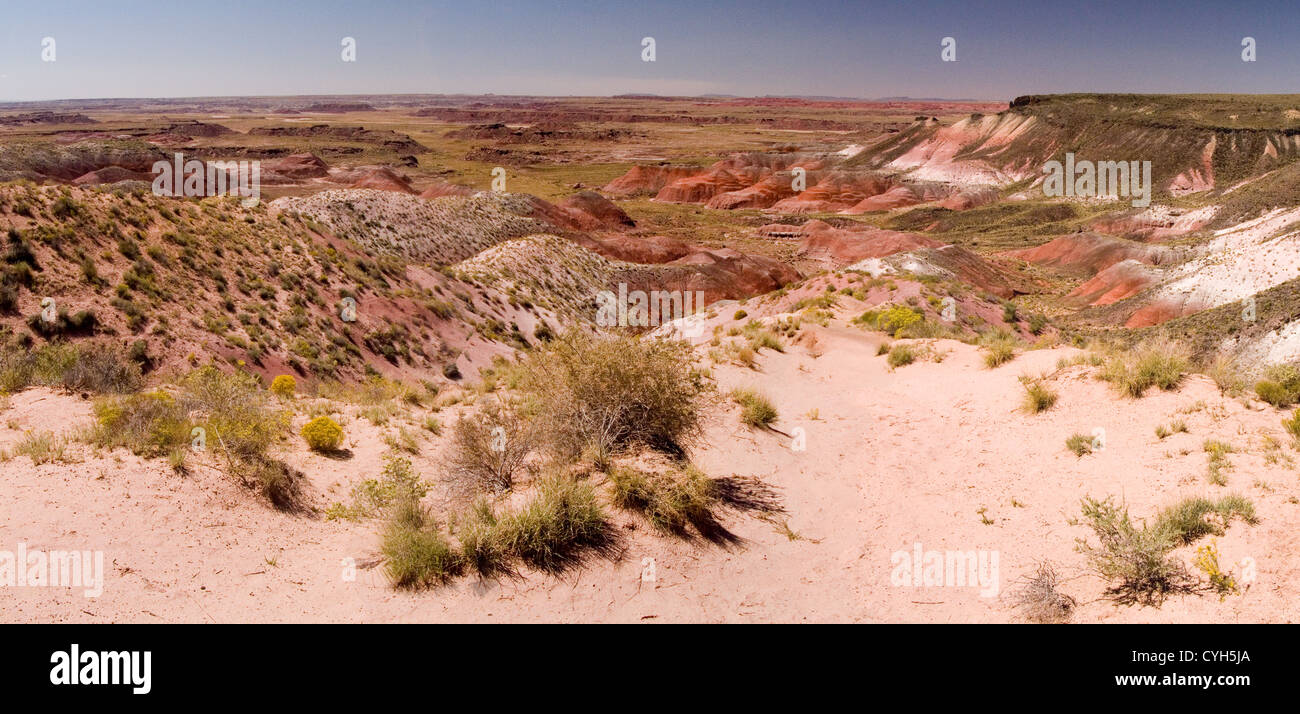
<point x="297" y="166"/>
<point x="593" y="207"/>
<point x="647" y="180"/>
<point x="444" y="188"/>
<point x="385" y="179"/>
<point x="835" y="192"/>
<point x="1117" y="282"/>
<point x="840" y="247"/>
<point x="111" y="174"/>
<point x="1091" y="253"/>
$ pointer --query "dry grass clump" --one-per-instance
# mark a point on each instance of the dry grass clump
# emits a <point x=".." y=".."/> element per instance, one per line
<point x="607" y="393"/>
<point x="1159" y="362"/>
<point x="1080" y="444"/>
<point x="671" y="501"/>
<point x="1217" y="452"/>
<point x="999" y="348"/>
<point x="1038" y="396"/>
<point x="756" y="409"/>
<point x="1039" y="600"/>
<point x="42" y="447"/>
<point x="901" y="355"/>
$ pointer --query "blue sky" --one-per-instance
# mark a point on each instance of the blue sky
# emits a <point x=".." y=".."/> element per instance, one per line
<point x="136" y="48"/>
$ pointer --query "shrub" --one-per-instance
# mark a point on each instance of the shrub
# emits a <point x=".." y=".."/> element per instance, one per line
<point x="740" y="315"/>
<point x="104" y="369"/>
<point x="670" y="501"/>
<point x="416" y="554"/>
<point x="490" y="446"/>
<point x="894" y="320"/>
<point x="1280" y="386"/>
<point x="556" y="526"/>
<point x="284" y="386"/>
<point x="1207" y="561"/>
<point x="322" y="434"/>
<point x="396" y="487"/>
<point x="1218" y="460"/>
<point x="1080" y="444"/>
<point x="900" y="355"/>
<point x="1038" y="396"/>
<point x="756" y="409"/>
<point x="1157" y="362"/>
<point x="239" y="417"/>
<point x="1292" y="425"/>
<point x="610" y="392"/>
<point x="1135" y="560"/>
<point x="1039" y="600"/>
<point x="149" y="424"/>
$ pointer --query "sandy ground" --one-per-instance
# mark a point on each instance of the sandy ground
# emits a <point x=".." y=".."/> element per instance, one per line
<point x="892" y="459"/>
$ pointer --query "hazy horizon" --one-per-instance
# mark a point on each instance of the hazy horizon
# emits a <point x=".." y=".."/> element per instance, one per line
<point x="150" y="49"/>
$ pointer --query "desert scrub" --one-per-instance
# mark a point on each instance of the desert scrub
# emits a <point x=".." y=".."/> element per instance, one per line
<point x="149" y="424"/>
<point x="1292" y="425"/>
<point x="670" y="501"/>
<point x="1080" y="444"/>
<point x="416" y="553"/>
<point x="554" y="529"/>
<point x="999" y="348"/>
<point x="1280" y="386"/>
<point x="755" y="409"/>
<point x="1136" y="560"/>
<point x="284" y="386"/>
<point x="608" y="393"/>
<point x="396" y="486"/>
<point x="1157" y="362"/>
<point x="1038" y="396"/>
<point x="893" y="320"/>
<point x="42" y="447"/>
<point x="490" y="446"/>
<point x="1039" y="600"/>
<point x="1207" y="561"/>
<point x="1177" y="426"/>
<point x="322" y="434"/>
<point x="1217" y="453"/>
<point x="99" y="367"/>
<point x="900" y="355"/>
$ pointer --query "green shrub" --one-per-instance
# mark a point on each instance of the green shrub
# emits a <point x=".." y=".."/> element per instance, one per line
<point x="670" y="501"/>
<point x="611" y="392"/>
<point x="756" y="410"/>
<point x="900" y="355"/>
<point x="1038" y="396"/>
<point x="553" y="530"/>
<point x="416" y="554"/>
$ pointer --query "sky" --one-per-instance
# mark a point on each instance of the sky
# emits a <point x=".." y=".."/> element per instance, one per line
<point x="866" y="49"/>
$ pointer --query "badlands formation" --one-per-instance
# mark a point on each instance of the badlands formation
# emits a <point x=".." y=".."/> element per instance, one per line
<point x="384" y="391"/>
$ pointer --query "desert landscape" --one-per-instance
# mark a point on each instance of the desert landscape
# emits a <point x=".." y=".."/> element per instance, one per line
<point x="489" y="358"/>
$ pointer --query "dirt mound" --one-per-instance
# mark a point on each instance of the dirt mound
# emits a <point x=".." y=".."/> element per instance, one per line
<point x="838" y="247"/>
<point x="36" y="118"/>
<point x="297" y="166"/>
<point x="763" y="194"/>
<point x="647" y="180"/>
<point x="1117" y="282"/>
<point x="835" y="192"/>
<point x="1155" y="223"/>
<point x="598" y="211"/>
<point x="637" y="249"/>
<point x="59" y="162"/>
<point x="973" y="198"/>
<point x="446" y="188"/>
<point x="384" y="179"/>
<point x="896" y="197"/>
<point x="1092" y="252"/>
<point x="111" y="174"/>
<point x="699" y="188"/>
